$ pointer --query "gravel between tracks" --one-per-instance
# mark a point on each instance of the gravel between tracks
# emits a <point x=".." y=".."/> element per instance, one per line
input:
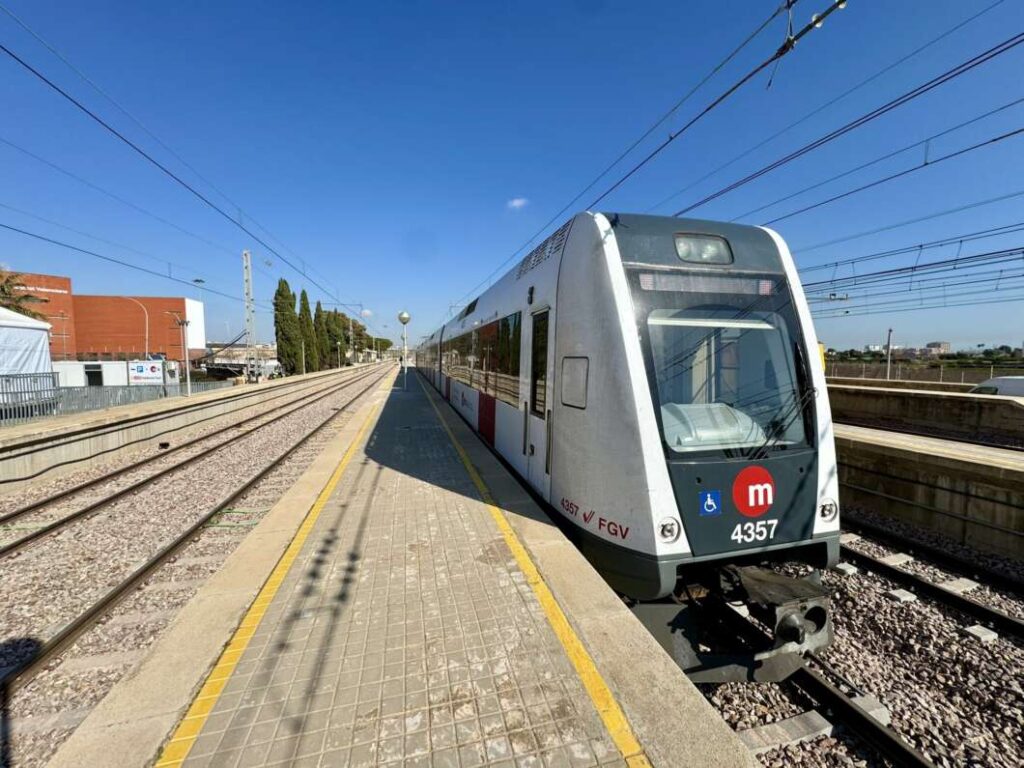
<point x="44" y="487"/>
<point x="959" y="701"/>
<point x="58" y="698"/>
<point x="983" y="560"/>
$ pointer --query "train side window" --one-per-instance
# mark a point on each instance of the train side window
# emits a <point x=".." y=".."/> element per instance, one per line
<point x="574" y="381"/>
<point x="539" y="364"/>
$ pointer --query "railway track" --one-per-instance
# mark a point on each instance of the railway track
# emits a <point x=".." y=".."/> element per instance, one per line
<point x="242" y="401"/>
<point x="941" y="557"/>
<point x="45" y="506"/>
<point x="986" y="614"/>
<point x="51" y="647"/>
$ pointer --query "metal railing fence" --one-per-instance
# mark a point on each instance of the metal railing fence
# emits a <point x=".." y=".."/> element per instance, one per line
<point x="902" y="371"/>
<point x="25" y="397"/>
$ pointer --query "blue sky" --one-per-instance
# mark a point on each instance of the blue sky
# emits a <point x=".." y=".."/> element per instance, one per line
<point x="382" y="143"/>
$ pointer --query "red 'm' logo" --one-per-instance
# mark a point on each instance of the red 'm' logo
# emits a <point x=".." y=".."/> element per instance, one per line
<point x="753" y="491"/>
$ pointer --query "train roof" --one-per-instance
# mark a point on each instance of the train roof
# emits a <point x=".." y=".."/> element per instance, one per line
<point x="649" y="239"/>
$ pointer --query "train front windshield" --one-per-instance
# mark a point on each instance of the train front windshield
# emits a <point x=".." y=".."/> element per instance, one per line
<point x="728" y="370"/>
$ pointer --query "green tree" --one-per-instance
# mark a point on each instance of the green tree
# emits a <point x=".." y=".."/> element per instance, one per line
<point x="323" y="342"/>
<point x="14" y="298"/>
<point x="336" y="337"/>
<point x="308" y="334"/>
<point x="286" y="328"/>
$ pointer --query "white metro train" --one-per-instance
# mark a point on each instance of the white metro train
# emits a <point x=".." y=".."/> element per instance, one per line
<point x="657" y="382"/>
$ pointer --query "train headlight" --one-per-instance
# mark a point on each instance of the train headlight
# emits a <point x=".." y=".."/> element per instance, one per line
<point x="703" y="249"/>
<point x="669" y="530"/>
<point x="828" y="510"/>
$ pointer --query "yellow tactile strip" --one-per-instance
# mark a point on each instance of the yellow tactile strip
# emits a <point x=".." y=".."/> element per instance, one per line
<point x="177" y="749"/>
<point x="608" y="708"/>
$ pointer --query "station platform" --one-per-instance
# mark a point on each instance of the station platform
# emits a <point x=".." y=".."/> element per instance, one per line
<point x="971" y="494"/>
<point x="425" y="613"/>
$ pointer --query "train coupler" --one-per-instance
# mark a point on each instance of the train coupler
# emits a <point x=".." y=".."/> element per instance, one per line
<point x="703" y="633"/>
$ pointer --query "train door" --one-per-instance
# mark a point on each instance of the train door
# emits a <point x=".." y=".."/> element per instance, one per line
<point x="538" y="409"/>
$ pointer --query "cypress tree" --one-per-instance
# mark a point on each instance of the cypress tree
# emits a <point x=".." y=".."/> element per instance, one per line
<point x="286" y="327"/>
<point x="308" y="334"/>
<point x="323" y="342"/>
<point x="336" y="335"/>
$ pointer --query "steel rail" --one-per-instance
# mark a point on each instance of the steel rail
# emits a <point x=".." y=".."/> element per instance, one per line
<point x="93" y="507"/>
<point x="860" y="721"/>
<point x="984" y="613"/>
<point x="833" y="700"/>
<point x="73" y="435"/>
<point x="14" y="514"/>
<point x="940" y="556"/>
<point x="24" y="671"/>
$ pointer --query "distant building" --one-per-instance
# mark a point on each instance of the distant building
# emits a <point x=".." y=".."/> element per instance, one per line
<point x="940" y="347"/>
<point x="881" y="348"/>
<point x="115" y="327"/>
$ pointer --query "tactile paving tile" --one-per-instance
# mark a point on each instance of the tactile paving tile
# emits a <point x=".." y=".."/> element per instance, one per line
<point x="405" y="633"/>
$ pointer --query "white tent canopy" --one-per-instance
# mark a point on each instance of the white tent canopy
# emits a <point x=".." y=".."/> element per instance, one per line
<point x="24" y="344"/>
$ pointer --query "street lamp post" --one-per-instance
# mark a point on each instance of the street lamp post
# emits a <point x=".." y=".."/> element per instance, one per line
<point x="64" y="334"/>
<point x="339" y="353"/>
<point x="888" y="354"/>
<point x="145" y="312"/>
<point x="404" y="318"/>
<point x="182" y="325"/>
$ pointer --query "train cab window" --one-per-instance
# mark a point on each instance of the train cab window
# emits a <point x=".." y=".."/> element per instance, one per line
<point x="726" y="380"/>
<point x="539" y="364"/>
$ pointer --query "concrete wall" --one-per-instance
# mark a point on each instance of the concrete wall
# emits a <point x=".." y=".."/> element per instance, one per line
<point x="65" y="444"/>
<point x="982" y="418"/>
<point x="971" y="494"/>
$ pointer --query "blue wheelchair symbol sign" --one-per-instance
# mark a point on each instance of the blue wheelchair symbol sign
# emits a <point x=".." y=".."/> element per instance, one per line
<point x="710" y="503"/>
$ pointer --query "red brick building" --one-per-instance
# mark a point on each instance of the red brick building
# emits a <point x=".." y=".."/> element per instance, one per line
<point x="58" y="311"/>
<point x="115" y="327"/>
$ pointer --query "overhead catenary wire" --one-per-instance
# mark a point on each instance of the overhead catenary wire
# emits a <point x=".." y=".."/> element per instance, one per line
<point x="927" y="163"/>
<point x="835" y="100"/>
<point x="920" y="285"/>
<point x="114" y="196"/>
<point x="156" y="163"/>
<point x="120" y="262"/>
<point x="121" y="108"/>
<point x="787" y="5"/>
<point x="944" y="304"/>
<point x="966" y="237"/>
<point x="925" y="142"/>
<point x="852" y="280"/>
<point x="868" y="117"/>
<point x="98" y="239"/>
<point x="908" y="222"/>
<point x="784" y="49"/>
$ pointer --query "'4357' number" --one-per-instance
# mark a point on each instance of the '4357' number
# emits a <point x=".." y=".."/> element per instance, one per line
<point x="762" y="530"/>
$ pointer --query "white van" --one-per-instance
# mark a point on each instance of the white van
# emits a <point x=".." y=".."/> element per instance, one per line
<point x="1009" y="386"/>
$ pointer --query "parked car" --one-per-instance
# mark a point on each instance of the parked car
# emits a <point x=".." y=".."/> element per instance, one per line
<point x="1008" y="386"/>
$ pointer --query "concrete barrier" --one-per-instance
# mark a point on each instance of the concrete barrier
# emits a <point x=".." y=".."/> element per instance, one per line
<point x="971" y="494"/>
<point x="928" y="386"/>
<point x="44" y="450"/>
<point x="988" y="419"/>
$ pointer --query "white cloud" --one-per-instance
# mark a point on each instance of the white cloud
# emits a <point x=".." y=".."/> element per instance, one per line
<point x="367" y="313"/>
<point x="517" y="203"/>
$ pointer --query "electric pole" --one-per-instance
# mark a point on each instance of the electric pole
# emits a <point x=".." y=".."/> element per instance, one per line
<point x="250" y="319"/>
